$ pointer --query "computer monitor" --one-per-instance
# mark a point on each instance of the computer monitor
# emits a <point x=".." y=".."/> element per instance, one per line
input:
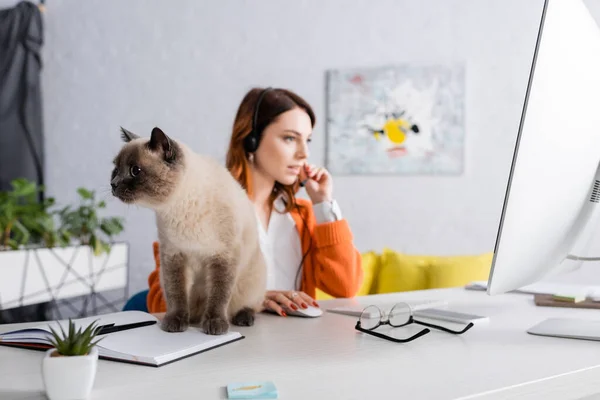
<point x="551" y="208"/>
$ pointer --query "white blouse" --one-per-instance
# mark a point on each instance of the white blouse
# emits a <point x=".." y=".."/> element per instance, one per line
<point x="281" y="245"/>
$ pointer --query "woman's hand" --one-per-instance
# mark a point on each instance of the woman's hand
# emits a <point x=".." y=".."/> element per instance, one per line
<point x="280" y="300"/>
<point x="318" y="183"/>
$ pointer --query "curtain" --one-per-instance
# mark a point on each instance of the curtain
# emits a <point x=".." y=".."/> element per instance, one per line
<point x="21" y="127"/>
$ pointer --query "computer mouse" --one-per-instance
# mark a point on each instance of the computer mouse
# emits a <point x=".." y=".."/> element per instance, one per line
<point x="310" y="312"/>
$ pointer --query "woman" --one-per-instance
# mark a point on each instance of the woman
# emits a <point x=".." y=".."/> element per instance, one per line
<point x="307" y="245"/>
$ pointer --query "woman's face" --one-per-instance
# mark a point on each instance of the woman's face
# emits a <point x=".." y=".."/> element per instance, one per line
<point x="283" y="147"/>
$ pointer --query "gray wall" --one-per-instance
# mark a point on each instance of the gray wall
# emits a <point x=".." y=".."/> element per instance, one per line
<point x="184" y="66"/>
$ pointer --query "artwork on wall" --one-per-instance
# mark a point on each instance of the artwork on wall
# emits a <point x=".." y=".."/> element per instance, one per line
<point x="401" y="120"/>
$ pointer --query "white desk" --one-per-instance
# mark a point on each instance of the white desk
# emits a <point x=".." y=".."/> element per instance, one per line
<point x="326" y="358"/>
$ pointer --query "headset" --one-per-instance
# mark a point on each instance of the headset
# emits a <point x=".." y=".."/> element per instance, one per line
<point x="252" y="141"/>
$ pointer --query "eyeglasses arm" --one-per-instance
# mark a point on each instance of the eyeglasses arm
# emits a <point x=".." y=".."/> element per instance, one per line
<point x="381" y="336"/>
<point x="466" y="328"/>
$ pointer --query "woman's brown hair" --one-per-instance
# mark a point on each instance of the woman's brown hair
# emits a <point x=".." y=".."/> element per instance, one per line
<point x="274" y="102"/>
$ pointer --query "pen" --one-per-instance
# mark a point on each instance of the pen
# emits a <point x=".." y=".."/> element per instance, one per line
<point x="110" y="328"/>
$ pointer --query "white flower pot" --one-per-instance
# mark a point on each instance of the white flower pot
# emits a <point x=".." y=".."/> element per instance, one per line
<point x="69" y="377"/>
<point x="37" y="275"/>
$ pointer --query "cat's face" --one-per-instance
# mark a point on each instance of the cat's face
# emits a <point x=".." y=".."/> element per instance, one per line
<point x="146" y="171"/>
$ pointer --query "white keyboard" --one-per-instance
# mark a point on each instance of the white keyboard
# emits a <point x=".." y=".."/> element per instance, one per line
<point x="416" y="305"/>
<point x="547" y="288"/>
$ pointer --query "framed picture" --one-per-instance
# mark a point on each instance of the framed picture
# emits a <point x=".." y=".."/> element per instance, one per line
<point x="400" y="120"/>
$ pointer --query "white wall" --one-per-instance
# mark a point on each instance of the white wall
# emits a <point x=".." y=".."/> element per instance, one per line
<point x="184" y="66"/>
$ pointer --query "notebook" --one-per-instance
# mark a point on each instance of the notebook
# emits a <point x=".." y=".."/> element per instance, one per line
<point x="548" y="300"/>
<point x="148" y="345"/>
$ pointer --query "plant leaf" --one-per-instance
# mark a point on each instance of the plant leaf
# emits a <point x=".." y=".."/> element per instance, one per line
<point x="54" y="334"/>
<point x="96" y="245"/>
<point x="25" y="234"/>
<point x="78" y="348"/>
<point x="71" y="328"/>
<point x="23" y="187"/>
<point x="84" y="193"/>
<point x="64" y="335"/>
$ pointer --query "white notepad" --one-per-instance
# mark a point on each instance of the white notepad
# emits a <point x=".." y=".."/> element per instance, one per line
<point x="147" y="345"/>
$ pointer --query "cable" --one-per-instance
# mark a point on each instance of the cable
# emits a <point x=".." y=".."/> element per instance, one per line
<point x="577" y="258"/>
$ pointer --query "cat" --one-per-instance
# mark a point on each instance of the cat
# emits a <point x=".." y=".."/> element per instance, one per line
<point x="212" y="269"/>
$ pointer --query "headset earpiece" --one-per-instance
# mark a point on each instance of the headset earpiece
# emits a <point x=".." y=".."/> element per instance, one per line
<point x="252" y="141"/>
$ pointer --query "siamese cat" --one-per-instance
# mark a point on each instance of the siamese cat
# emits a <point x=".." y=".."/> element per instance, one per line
<point x="212" y="270"/>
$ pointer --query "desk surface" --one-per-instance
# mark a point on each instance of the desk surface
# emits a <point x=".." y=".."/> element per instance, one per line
<point x="327" y="358"/>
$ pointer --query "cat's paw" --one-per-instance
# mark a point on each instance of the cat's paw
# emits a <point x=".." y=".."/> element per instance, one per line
<point x="215" y="325"/>
<point x="244" y="317"/>
<point x="175" y="322"/>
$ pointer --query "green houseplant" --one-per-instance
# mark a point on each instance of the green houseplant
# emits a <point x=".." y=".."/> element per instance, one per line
<point x="25" y="221"/>
<point x="69" y="368"/>
<point x="48" y="246"/>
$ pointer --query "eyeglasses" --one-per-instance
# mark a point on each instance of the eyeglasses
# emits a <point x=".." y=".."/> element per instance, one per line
<point x="400" y="315"/>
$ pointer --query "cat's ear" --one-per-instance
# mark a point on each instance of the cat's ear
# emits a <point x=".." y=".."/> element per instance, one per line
<point x="159" y="141"/>
<point x="127" y="136"/>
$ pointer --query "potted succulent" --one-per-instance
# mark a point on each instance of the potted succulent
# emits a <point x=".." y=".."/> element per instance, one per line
<point x="69" y="367"/>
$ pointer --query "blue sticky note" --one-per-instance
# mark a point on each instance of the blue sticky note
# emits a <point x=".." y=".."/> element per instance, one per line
<point x="252" y="390"/>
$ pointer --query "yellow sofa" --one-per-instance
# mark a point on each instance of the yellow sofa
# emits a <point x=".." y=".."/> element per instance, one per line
<point x="391" y="271"/>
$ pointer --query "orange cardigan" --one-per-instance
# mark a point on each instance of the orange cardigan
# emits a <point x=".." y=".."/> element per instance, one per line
<point x="333" y="264"/>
